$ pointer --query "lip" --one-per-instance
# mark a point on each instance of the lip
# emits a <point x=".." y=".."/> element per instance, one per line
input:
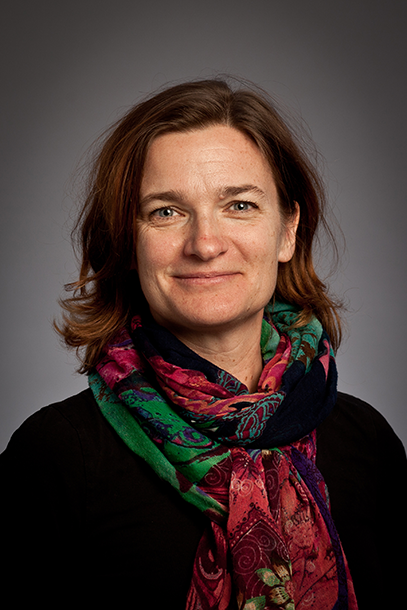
<point x="206" y="277"/>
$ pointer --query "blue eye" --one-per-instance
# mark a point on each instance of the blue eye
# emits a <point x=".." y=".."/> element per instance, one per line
<point x="164" y="212"/>
<point x="242" y="206"/>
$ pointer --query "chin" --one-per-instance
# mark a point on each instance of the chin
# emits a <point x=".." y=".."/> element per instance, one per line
<point x="214" y="319"/>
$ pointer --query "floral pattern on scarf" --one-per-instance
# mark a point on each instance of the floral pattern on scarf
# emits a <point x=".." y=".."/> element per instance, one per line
<point x="246" y="460"/>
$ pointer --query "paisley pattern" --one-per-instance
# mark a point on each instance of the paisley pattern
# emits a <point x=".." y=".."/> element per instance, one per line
<point x="246" y="460"/>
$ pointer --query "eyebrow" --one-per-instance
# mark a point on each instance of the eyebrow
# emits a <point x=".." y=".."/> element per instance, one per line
<point x="174" y="196"/>
<point x="168" y="196"/>
<point x="232" y="191"/>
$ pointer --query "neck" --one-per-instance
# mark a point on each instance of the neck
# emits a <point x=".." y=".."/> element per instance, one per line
<point x="237" y="351"/>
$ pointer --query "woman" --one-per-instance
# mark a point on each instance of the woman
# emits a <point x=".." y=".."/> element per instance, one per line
<point x="185" y="475"/>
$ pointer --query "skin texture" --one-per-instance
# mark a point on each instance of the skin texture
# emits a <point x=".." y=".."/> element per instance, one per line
<point x="209" y="240"/>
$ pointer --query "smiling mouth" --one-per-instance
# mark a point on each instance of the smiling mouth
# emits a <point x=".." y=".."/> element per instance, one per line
<point x="210" y="277"/>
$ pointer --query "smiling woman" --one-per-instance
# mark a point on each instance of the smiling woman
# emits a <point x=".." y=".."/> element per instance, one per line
<point x="207" y="261"/>
<point x="107" y="227"/>
<point x="195" y="467"/>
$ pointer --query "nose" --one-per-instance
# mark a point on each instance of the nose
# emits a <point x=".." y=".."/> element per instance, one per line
<point x="205" y="239"/>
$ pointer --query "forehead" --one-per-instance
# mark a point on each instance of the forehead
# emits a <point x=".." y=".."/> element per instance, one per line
<point x="214" y="153"/>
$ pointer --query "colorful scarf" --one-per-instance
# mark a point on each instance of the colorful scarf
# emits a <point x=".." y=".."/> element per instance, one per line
<point x="246" y="460"/>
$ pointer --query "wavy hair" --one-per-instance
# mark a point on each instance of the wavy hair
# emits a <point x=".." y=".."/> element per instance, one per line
<point x="107" y="291"/>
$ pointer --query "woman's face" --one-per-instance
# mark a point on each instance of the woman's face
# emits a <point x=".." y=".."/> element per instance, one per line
<point x="209" y="231"/>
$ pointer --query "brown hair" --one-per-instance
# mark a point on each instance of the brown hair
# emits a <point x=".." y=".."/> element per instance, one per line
<point x="107" y="291"/>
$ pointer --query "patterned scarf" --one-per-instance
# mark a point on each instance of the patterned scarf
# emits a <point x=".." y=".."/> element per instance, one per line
<point x="246" y="460"/>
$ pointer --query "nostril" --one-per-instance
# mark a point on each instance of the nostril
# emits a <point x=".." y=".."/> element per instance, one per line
<point x="206" y="246"/>
<point x="205" y="241"/>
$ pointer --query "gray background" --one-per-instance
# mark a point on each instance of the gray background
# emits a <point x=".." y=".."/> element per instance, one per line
<point x="71" y="68"/>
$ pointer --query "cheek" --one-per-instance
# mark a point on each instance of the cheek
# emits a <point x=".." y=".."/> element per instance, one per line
<point x="266" y="261"/>
<point x="145" y="260"/>
<point x="267" y="248"/>
<point x="155" y="253"/>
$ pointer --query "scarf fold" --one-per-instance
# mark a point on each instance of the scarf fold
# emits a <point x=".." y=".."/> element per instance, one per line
<point x="246" y="460"/>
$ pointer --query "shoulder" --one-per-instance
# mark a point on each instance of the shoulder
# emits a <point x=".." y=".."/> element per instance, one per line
<point x="66" y="413"/>
<point x="355" y="427"/>
<point x="364" y="465"/>
<point x="357" y="446"/>
<point x="96" y="510"/>
<point x="43" y="468"/>
<point x="56" y="428"/>
<point x="67" y="450"/>
<point x="363" y="415"/>
<point x="57" y="448"/>
<point x="52" y="441"/>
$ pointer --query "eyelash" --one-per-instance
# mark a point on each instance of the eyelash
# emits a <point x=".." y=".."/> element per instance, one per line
<point x="156" y="212"/>
<point x="246" y="203"/>
<point x="249" y="205"/>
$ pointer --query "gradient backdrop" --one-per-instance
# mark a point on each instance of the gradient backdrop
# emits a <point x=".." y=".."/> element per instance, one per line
<point x="71" y="68"/>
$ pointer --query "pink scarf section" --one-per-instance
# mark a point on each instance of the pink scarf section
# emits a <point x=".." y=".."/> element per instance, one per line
<point x="282" y="553"/>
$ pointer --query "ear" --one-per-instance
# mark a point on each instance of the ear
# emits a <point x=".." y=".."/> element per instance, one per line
<point x="287" y="246"/>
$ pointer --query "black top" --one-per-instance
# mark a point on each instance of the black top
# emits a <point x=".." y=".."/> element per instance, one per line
<point x="84" y="518"/>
